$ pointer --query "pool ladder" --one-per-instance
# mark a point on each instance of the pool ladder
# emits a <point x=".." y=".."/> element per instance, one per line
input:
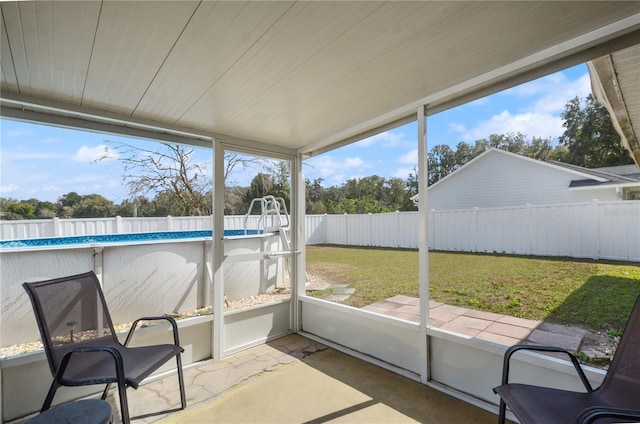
<point x="273" y="217"/>
<point x="273" y="214"/>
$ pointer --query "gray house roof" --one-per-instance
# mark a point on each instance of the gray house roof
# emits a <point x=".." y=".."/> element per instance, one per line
<point x="611" y="175"/>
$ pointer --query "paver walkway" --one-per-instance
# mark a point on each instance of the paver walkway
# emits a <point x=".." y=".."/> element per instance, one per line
<point x="502" y="329"/>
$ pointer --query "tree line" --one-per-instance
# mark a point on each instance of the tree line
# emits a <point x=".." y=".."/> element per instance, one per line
<point x="181" y="186"/>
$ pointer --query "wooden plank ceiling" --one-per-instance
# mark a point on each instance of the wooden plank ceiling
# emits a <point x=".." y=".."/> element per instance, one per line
<point x="298" y="75"/>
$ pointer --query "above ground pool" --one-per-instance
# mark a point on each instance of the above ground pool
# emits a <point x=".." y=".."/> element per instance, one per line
<point x="119" y="238"/>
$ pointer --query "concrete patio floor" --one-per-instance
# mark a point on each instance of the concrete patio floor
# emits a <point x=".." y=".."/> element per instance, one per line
<point x="296" y="380"/>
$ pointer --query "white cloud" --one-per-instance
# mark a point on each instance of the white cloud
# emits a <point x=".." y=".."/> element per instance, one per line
<point x="353" y="162"/>
<point x="9" y="188"/>
<point x="554" y="90"/>
<point x="333" y="170"/>
<point x="456" y="127"/>
<point x="50" y="188"/>
<point x="538" y="118"/>
<point x="554" y="97"/>
<point x="410" y="157"/>
<point x="531" y="124"/>
<point x="90" y="154"/>
<point x="338" y="178"/>
<point x="403" y="172"/>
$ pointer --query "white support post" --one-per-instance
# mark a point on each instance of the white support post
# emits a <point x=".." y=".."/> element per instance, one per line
<point x="298" y="239"/>
<point x="217" y="252"/>
<point x="423" y="243"/>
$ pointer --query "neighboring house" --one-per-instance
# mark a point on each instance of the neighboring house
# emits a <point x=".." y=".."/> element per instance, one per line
<point x="498" y="178"/>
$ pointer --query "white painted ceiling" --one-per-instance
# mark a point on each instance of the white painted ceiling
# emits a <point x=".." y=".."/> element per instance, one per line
<point x="298" y="76"/>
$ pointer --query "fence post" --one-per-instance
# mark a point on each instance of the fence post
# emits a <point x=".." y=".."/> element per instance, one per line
<point x="530" y="229"/>
<point x="476" y="214"/>
<point x="325" y="224"/>
<point x="169" y="223"/>
<point x="370" y="235"/>
<point x="346" y="229"/>
<point x="596" y="228"/>
<point x="119" y="224"/>
<point x="398" y="229"/>
<point x="432" y="234"/>
<point x="56" y="227"/>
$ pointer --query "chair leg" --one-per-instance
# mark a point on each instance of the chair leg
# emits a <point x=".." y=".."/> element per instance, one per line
<point x="52" y="392"/>
<point x="503" y="412"/>
<point x="106" y="391"/>
<point x="183" y="396"/>
<point x="124" y="405"/>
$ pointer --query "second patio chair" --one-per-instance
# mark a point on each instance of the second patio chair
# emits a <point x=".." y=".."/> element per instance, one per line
<point x="616" y="400"/>
<point x="81" y="343"/>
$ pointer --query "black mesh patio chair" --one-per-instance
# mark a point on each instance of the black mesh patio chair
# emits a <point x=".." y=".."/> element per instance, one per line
<point x="81" y="343"/>
<point x="616" y="400"/>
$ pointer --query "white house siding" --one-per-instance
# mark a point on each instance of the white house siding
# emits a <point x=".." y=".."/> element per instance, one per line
<point x="499" y="179"/>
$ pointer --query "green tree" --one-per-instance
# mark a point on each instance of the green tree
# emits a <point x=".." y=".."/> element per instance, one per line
<point x="274" y="181"/>
<point x="261" y="186"/>
<point x="589" y="136"/>
<point x="235" y="201"/>
<point x="411" y="184"/>
<point x="394" y="194"/>
<point x="281" y="177"/>
<point x="442" y="161"/>
<point x="46" y="209"/>
<point x="15" y="210"/>
<point x="69" y="200"/>
<point x="164" y="205"/>
<point x="314" y="202"/>
<point x="94" y="206"/>
<point x="140" y="206"/>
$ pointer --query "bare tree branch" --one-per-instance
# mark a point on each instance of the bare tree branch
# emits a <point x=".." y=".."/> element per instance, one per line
<point x="170" y="169"/>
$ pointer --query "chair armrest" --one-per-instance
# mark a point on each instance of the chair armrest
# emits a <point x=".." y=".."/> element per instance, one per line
<point x="171" y="320"/>
<point x="593" y="413"/>
<point x="574" y="361"/>
<point x="117" y="357"/>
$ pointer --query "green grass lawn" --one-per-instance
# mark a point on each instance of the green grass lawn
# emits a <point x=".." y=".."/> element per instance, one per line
<point x="594" y="294"/>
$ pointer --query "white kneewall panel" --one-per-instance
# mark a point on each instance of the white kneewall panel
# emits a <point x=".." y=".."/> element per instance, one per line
<point x="390" y="340"/>
<point x="250" y="327"/>
<point x="474" y="367"/>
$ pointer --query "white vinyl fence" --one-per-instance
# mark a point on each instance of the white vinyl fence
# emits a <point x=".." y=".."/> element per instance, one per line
<point x="597" y="230"/>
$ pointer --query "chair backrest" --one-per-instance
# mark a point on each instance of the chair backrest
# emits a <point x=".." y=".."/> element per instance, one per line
<point x="622" y="382"/>
<point x="71" y="312"/>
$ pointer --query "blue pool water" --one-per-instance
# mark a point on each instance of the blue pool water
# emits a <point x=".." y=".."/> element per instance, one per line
<point x="118" y="238"/>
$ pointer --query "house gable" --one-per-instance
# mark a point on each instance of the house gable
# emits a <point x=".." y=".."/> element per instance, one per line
<point x="498" y="178"/>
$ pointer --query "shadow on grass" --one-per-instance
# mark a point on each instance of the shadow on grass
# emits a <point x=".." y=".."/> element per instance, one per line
<point x="602" y="303"/>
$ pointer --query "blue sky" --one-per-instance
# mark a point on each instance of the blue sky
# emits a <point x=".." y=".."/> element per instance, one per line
<point x="46" y="162"/>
